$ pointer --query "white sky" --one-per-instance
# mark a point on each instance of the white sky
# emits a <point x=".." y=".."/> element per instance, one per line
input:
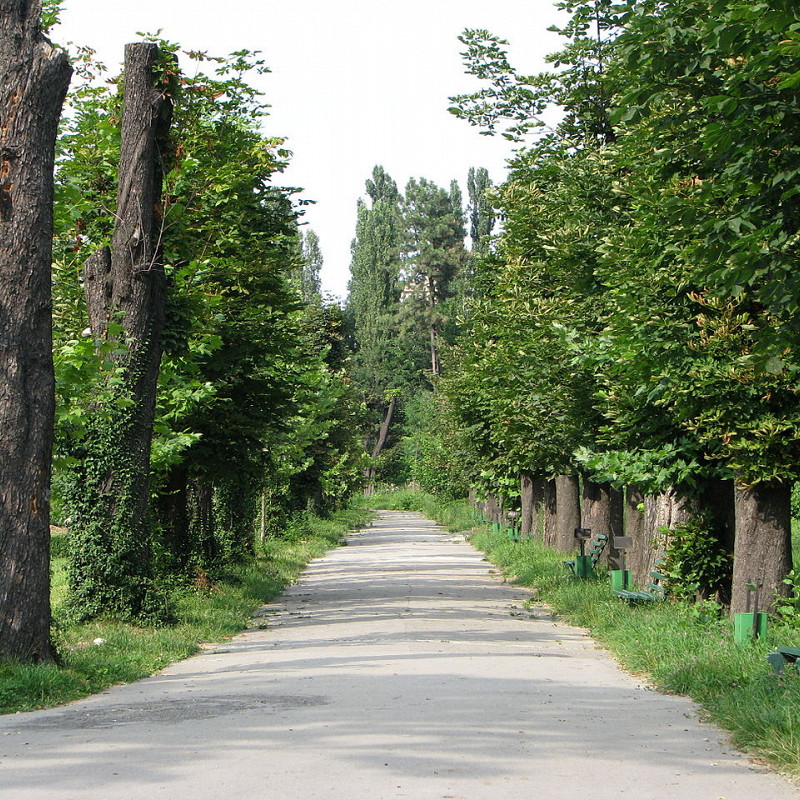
<point x="353" y="84"/>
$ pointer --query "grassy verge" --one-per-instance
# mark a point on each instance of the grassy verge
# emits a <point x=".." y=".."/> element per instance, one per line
<point x="674" y="646"/>
<point x="129" y="653"/>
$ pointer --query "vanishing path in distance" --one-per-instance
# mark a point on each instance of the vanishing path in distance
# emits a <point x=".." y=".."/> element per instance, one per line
<point x="399" y="666"/>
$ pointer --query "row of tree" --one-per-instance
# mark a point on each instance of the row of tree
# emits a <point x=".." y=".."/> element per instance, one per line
<point x="199" y="376"/>
<point x="632" y="334"/>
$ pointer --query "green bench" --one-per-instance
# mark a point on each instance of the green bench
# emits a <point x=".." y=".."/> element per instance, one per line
<point x="583" y="566"/>
<point x="784" y="656"/>
<point x="655" y="590"/>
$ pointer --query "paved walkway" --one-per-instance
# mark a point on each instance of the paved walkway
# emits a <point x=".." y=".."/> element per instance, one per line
<point x="399" y="667"/>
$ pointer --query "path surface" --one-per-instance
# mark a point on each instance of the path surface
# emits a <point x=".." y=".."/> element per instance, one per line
<point x="399" y="666"/>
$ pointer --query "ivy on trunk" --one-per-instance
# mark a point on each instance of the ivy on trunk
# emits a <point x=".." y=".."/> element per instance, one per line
<point x="111" y="564"/>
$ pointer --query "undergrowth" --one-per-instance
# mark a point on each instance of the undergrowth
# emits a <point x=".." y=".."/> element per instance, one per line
<point x="677" y="649"/>
<point x="204" y="615"/>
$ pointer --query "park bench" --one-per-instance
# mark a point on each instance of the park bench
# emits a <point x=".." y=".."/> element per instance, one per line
<point x="583" y="566"/>
<point x="783" y="656"/>
<point x="654" y="590"/>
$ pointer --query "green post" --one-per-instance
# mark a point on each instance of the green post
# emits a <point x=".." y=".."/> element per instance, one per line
<point x="583" y="566"/>
<point x="745" y="629"/>
<point x="621" y="579"/>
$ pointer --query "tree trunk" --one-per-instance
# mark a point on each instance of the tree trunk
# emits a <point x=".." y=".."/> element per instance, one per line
<point x="380" y="444"/>
<point x="525" y="505"/>
<point x="568" y="503"/>
<point x="383" y="434"/>
<point x="763" y="548"/>
<point x="661" y="512"/>
<point x="634" y="513"/>
<point x="602" y="513"/>
<point x="126" y="283"/>
<point x="490" y="507"/>
<point x="532" y="500"/>
<point x="173" y="508"/>
<point x="634" y="527"/>
<point x="33" y="82"/>
<point x="434" y="352"/>
<point x="550" y="513"/>
<point x="203" y="523"/>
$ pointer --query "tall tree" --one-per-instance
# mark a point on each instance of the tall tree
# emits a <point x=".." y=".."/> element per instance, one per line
<point x="481" y="214"/>
<point x="529" y="404"/>
<point x="111" y="568"/>
<point x="34" y="77"/>
<point x="311" y="265"/>
<point x="435" y="252"/>
<point x="380" y="365"/>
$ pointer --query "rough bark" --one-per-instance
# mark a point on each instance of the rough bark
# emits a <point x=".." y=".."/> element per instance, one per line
<point x="33" y="83"/>
<point x="568" y="503"/>
<point x="661" y="512"/>
<point x="539" y="489"/>
<point x="602" y="513"/>
<point x="634" y="526"/>
<point x="527" y="512"/>
<point x="763" y="548"/>
<point x="127" y="284"/>
<point x="550" y="513"/>
<point x="532" y="501"/>
<point x="490" y="507"/>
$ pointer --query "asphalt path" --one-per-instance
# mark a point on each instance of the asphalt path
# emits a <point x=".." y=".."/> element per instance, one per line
<point x="400" y="666"/>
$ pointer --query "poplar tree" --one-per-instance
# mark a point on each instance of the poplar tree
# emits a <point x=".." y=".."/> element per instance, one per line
<point x="481" y="214"/>
<point x="379" y="366"/>
<point x="311" y="254"/>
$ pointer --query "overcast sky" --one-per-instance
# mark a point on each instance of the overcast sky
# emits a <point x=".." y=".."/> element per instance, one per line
<point x="353" y="84"/>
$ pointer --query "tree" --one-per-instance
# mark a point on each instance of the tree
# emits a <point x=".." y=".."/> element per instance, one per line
<point x="519" y="388"/>
<point x="380" y="363"/>
<point x="125" y="285"/>
<point x="705" y="92"/>
<point x="312" y="264"/>
<point x="481" y="215"/>
<point x="676" y="217"/>
<point x="34" y="77"/>
<point x="434" y="254"/>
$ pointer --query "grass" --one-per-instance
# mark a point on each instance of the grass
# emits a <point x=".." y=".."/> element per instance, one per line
<point x="675" y="646"/>
<point x="129" y="652"/>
